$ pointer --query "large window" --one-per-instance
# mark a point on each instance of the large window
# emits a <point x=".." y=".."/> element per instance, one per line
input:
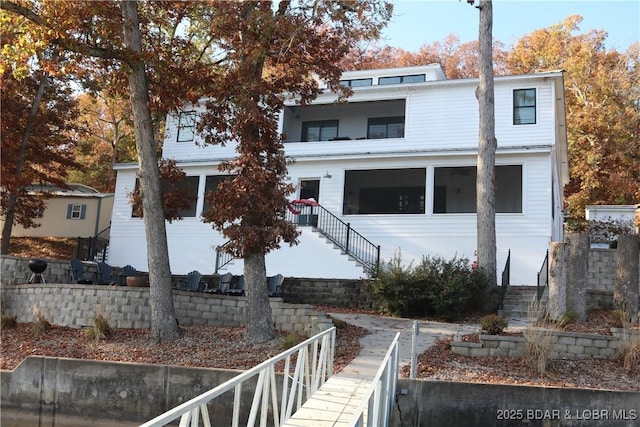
<point x="455" y="189"/>
<point x="186" y="126"/>
<point x="385" y="127"/>
<point x="415" y="78"/>
<point x="320" y="130"/>
<point x="182" y="195"/>
<point x="524" y="107"/>
<point x="384" y="191"/>
<point x="210" y="186"/>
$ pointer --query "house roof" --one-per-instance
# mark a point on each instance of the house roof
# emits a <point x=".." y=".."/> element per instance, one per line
<point x="74" y="190"/>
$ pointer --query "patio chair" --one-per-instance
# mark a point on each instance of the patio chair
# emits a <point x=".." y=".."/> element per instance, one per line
<point x="274" y="285"/>
<point x="223" y="284"/>
<point x="193" y="282"/>
<point x="127" y="271"/>
<point x="103" y="275"/>
<point x="76" y="272"/>
<point x="239" y="289"/>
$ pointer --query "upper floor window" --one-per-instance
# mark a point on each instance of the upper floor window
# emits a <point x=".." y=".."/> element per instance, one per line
<point x="385" y="127"/>
<point x="415" y="78"/>
<point x="186" y="126"/>
<point x="524" y="107"/>
<point x="76" y="211"/>
<point x="357" y="82"/>
<point x="319" y="130"/>
<point x="211" y="185"/>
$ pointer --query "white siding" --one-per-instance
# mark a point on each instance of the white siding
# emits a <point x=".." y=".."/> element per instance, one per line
<point x="441" y="129"/>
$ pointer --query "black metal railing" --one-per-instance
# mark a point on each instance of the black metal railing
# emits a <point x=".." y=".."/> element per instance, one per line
<point x="506" y="273"/>
<point x="543" y="277"/>
<point x="339" y="233"/>
<point x="222" y="258"/>
<point x="332" y="228"/>
<point x="93" y="248"/>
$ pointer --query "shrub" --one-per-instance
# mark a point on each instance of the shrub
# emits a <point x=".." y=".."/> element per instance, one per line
<point x="290" y="340"/>
<point x="100" y="330"/>
<point x="629" y="352"/>
<point x="493" y="324"/>
<point x="538" y="344"/>
<point x="41" y="325"/>
<point x="9" y="321"/>
<point x="568" y="318"/>
<point x="435" y="287"/>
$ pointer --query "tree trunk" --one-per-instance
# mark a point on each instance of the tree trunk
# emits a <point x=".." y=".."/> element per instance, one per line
<point x="259" y="321"/>
<point x="13" y="197"/>
<point x="164" y="326"/>
<point x="485" y="180"/>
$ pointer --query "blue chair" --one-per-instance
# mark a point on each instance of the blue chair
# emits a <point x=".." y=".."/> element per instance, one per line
<point x="193" y="282"/>
<point x="223" y="284"/>
<point x="274" y="285"/>
<point x="76" y="272"/>
<point x="239" y="289"/>
<point x="103" y="275"/>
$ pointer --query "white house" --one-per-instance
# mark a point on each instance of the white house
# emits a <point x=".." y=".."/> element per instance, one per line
<point x="397" y="164"/>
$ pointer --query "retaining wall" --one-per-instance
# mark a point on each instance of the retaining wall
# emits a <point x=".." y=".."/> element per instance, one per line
<point x="45" y="391"/>
<point x="444" y="404"/>
<point x="601" y="269"/>
<point x="564" y="345"/>
<point x="128" y="307"/>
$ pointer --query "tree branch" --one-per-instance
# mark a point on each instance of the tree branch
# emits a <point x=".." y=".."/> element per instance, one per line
<point x="62" y="41"/>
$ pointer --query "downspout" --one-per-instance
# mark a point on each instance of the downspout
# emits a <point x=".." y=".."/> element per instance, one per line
<point x="97" y="227"/>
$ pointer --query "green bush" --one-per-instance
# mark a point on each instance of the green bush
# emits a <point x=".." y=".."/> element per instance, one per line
<point x="493" y="324"/>
<point x="568" y="318"/>
<point x="434" y="287"/>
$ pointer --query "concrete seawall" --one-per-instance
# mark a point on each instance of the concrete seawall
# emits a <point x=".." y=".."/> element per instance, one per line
<point x="46" y="391"/>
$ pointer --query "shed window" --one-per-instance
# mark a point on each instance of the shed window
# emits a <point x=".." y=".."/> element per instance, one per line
<point x="76" y="211"/>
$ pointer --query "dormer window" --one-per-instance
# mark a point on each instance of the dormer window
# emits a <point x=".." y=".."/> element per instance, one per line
<point x="186" y="126"/>
<point x="524" y="107"/>
<point x="357" y="82"/>
<point x="394" y="80"/>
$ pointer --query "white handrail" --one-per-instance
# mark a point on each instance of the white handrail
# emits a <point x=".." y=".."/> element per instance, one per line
<point x="377" y="403"/>
<point x="308" y="376"/>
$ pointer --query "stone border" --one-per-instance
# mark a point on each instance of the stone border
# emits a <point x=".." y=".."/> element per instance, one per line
<point x="564" y="345"/>
<point x="127" y="307"/>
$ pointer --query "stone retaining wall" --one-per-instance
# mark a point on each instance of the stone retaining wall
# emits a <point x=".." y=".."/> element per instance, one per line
<point x="127" y="307"/>
<point x="564" y="345"/>
<point x="333" y="292"/>
<point x="601" y="269"/>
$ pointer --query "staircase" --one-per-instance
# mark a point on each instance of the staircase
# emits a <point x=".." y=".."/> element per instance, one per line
<point x="520" y="302"/>
<point x="333" y="229"/>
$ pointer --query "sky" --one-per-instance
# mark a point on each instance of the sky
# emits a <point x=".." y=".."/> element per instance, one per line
<point x="419" y="22"/>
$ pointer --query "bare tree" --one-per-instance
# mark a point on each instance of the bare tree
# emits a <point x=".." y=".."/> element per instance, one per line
<point x="487" y="144"/>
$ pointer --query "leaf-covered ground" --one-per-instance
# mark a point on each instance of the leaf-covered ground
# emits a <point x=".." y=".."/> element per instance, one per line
<point x="199" y="346"/>
<point x="43" y="247"/>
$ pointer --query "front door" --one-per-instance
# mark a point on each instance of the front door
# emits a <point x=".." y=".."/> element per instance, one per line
<point x="310" y="189"/>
